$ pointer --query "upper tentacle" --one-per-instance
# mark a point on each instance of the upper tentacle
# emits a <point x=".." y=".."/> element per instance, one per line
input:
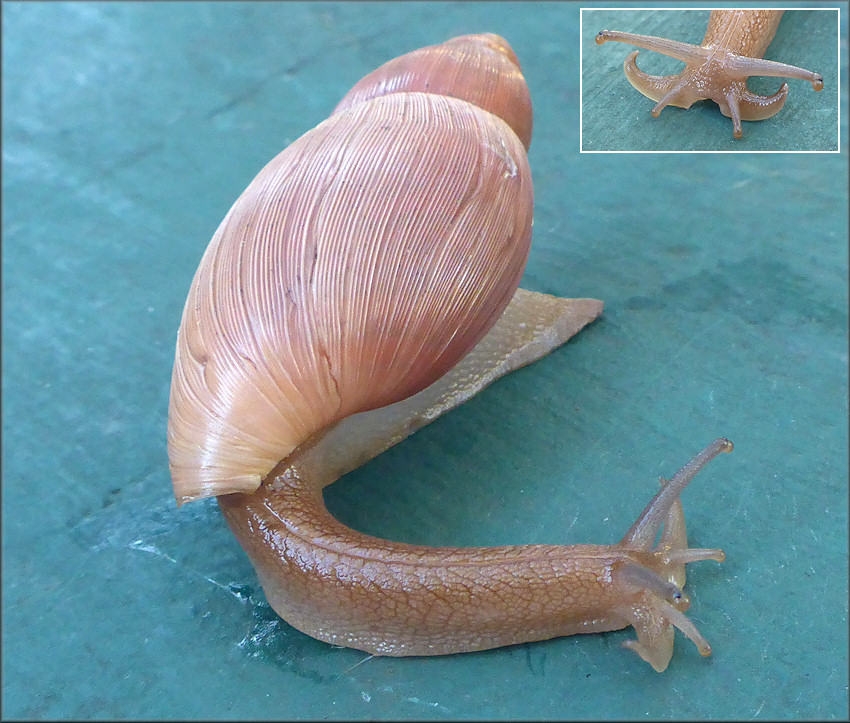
<point x="681" y="51"/>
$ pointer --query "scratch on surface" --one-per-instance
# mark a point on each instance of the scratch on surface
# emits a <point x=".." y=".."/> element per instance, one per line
<point x="729" y="618"/>
<point x="742" y="183"/>
<point x="143" y="546"/>
<point x="604" y="441"/>
<point x="417" y="701"/>
<point x="758" y="711"/>
<point x="359" y="662"/>
<point x="687" y="348"/>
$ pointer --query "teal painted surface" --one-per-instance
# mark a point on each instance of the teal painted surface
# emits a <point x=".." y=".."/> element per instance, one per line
<point x="616" y="117"/>
<point x="128" y="131"/>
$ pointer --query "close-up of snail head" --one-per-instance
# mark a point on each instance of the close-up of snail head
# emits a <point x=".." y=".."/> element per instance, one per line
<point x="365" y="282"/>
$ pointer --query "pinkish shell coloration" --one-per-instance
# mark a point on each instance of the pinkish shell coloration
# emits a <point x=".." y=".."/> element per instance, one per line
<point x="358" y="267"/>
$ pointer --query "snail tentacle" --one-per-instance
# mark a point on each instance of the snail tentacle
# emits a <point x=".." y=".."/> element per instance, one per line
<point x="718" y="68"/>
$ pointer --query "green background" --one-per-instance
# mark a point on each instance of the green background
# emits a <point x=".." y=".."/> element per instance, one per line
<point x="129" y="129"/>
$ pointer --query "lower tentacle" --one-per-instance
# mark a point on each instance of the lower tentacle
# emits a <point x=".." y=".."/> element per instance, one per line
<point x="734" y="114"/>
<point x="652" y="86"/>
<point x="758" y="107"/>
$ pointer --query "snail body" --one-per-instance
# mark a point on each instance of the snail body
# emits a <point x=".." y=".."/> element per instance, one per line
<point x="364" y="283"/>
<point x="732" y="50"/>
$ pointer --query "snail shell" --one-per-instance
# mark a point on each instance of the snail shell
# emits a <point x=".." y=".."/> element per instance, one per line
<point x="364" y="283"/>
<point x="357" y="268"/>
<point x="480" y="69"/>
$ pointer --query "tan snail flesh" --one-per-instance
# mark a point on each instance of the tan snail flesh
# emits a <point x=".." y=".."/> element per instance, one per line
<point x="718" y="68"/>
<point x="363" y="284"/>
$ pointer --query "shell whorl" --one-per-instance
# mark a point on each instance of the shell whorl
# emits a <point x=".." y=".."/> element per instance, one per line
<point x="480" y="69"/>
<point x="358" y="267"/>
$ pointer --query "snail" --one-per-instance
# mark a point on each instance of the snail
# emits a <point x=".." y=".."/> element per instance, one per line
<point x="717" y="69"/>
<point x="364" y="283"/>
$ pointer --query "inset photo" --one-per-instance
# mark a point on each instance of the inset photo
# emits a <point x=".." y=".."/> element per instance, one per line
<point x="702" y="80"/>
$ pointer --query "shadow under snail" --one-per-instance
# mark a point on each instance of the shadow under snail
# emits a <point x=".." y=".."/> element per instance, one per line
<point x="364" y="283"/>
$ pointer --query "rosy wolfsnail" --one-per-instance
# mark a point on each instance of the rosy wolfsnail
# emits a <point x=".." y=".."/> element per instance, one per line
<point x="363" y="284"/>
<point x="717" y="69"/>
